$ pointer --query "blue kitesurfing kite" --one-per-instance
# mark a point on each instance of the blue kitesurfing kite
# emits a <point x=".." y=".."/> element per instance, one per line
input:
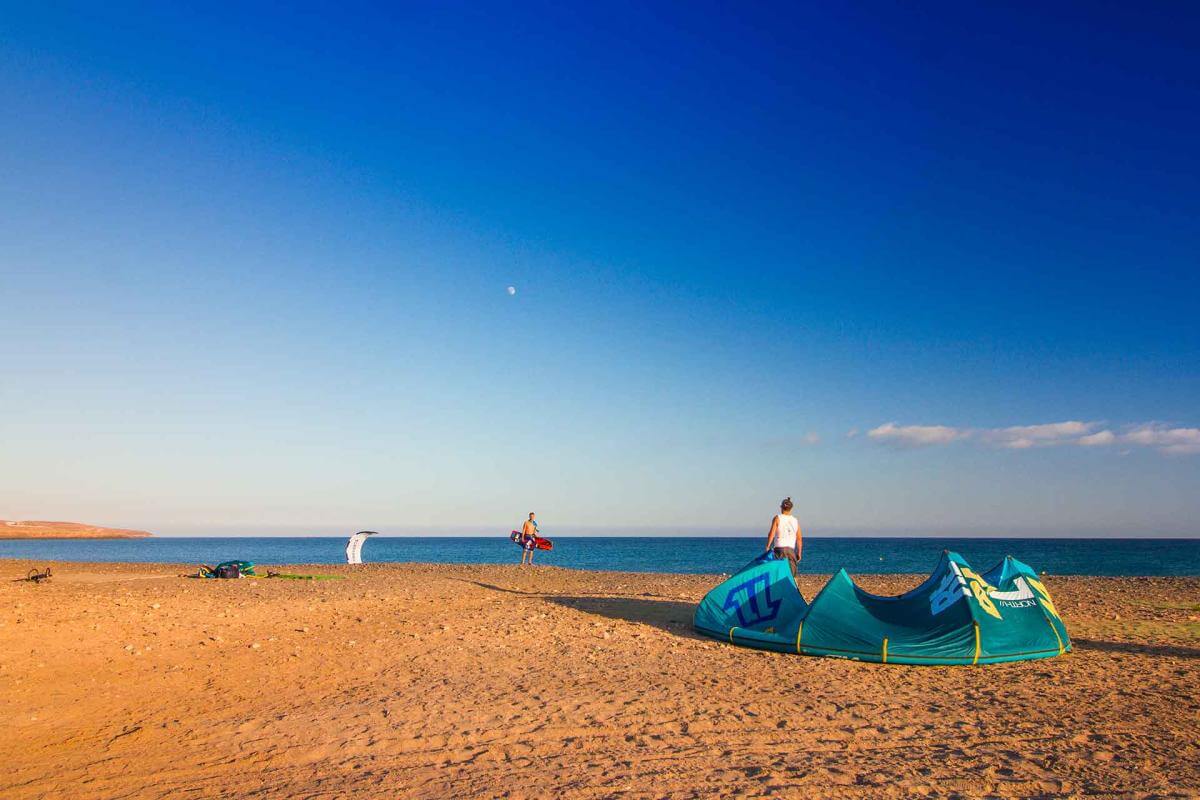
<point x="957" y="616"/>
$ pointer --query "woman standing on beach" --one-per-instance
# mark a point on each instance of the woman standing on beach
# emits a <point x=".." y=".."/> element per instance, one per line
<point x="784" y="535"/>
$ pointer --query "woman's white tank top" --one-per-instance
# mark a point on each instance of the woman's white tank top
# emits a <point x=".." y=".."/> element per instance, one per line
<point x="785" y="534"/>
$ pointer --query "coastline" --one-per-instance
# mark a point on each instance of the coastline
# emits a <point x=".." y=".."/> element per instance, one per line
<point x="73" y="538"/>
<point x="436" y="680"/>
<point x="683" y="555"/>
<point x="42" y="530"/>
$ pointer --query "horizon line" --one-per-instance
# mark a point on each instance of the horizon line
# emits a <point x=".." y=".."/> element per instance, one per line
<point x="865" y="535"/>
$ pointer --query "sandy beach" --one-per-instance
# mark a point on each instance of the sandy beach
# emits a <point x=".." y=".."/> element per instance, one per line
<point x="438" y="681"/>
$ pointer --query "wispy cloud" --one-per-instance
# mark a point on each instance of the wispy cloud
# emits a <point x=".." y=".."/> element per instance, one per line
<point x="811" y="438"/>
<point x="1167" y="440"/>
<point x="915" y="435"/>
<point x="1097" y="439"/>
<point x="1021" y="437"/>
<point x="1072" y="433"/>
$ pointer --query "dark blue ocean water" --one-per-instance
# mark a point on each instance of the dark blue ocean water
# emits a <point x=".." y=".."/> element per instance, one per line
<point x="648" y="554"/>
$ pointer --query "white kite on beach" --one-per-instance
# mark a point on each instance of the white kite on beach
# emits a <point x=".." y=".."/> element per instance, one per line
<point x="355" y="545"/>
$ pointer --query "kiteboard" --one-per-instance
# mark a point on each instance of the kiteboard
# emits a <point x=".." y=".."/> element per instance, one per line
<point x="539" y="542"/>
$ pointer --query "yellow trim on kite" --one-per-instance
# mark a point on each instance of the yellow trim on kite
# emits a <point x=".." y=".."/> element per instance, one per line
<point x="1061" y="649"/>
<point x="731" y="630"/>
<point x="977" y="648"/>
<point x="799" y="633"/>
<point x="885" y="649"/>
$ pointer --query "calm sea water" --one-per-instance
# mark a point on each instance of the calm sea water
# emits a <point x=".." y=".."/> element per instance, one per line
<point x="648" y="554"/>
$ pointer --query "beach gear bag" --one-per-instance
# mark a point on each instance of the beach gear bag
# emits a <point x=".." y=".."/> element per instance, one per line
<point x="234" y="569"/>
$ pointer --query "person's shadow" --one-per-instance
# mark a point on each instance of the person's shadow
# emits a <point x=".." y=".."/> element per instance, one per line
<point x="673" y="616"/>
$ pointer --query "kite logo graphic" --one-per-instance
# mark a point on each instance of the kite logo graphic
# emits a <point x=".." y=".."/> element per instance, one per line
<point x="952" y="589"/>
<point x="758" y="608"/>
<point x="980" y="588"/>
<point x="1047" y="603"/>
<point x="962" y="582"/>
<point x="1021" y="597"/>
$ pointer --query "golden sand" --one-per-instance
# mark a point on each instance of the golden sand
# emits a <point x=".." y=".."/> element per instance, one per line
<point x="438" y="681"/>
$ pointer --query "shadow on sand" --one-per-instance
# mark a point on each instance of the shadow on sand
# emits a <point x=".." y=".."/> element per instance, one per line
<point x="1175" y="651"/>
<point x="673" y="616"/>
<point x="493" y="587"/>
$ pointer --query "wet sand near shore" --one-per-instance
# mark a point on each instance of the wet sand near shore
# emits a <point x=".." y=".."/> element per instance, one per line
<point x="441" y="681"/>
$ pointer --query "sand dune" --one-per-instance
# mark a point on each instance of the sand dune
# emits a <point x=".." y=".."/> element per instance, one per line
<point x="454" y="681"/>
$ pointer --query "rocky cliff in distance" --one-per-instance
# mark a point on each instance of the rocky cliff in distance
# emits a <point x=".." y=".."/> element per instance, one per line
<point x="33" y="529"/>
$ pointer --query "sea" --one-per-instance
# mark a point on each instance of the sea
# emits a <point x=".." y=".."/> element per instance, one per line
<point x="672" y="554"/>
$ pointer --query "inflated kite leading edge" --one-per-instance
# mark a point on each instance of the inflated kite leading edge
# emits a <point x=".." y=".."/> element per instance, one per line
<point x="957" y="616"/>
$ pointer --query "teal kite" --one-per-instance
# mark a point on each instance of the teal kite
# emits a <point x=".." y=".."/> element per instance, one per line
<point x="957" y="616"/>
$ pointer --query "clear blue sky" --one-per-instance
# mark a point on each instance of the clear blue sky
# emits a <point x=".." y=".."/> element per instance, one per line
<point x="253" y="267"/>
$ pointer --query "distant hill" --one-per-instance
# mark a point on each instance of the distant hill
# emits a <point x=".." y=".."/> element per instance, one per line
<point x="34" y="529"/>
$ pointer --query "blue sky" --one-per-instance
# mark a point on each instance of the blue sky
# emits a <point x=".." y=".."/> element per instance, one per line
<point x="253" y="266"/>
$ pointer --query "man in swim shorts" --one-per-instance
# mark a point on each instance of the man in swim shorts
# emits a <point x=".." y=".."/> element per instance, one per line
<point x="528" y="539"/>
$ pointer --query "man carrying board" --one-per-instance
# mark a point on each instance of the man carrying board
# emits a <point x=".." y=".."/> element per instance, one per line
<point x="529" y="532"/>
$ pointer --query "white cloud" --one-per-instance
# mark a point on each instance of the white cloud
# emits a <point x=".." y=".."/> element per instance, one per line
<point x="1020" y="437"/>
<point x="812" y="437"/>
<point x="1072" y="433"/>
<point x="1097" y="439"/>
<point x="916" y="435"/>
<point x="1165" y="439"/>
